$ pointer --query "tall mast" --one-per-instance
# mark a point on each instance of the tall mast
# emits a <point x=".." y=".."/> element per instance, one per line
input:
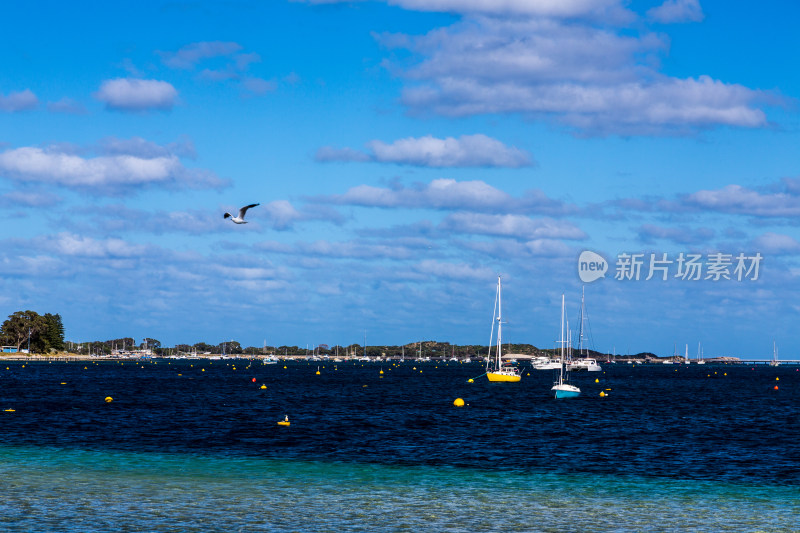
<point x="499" y="322"/>
<point x="580" y="328"/>
<point x="561" y="366"/>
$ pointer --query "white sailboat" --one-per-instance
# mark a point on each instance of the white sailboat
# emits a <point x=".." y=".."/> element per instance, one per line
<point x="700" y="360"/>
<point x="496" y="371"/>
<point x="560" y="388"/>
<point x="774" y="361"/>
<point x="583" y="362"/>
<point x="546" y="363"/>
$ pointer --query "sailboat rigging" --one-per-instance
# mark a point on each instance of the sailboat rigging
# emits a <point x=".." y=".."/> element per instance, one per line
<point x="496" y="370"/>
<point x="561" y="388"/>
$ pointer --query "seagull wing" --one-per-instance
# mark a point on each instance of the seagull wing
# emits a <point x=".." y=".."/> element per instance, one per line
<point x="243" y="210"/>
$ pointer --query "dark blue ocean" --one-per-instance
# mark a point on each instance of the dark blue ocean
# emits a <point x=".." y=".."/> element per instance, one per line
<point x="194" y="446"/>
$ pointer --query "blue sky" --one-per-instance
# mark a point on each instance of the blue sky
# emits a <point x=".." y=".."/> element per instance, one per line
<point x="404" y="153"/>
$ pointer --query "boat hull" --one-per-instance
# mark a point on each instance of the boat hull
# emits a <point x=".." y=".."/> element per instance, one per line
<point x="503" y="377"/>
<point x="566" y="391"/>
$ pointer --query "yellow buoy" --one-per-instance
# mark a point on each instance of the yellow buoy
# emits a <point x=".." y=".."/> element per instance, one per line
<point x="597" y="380"/>
<point x="381" y="371"/>
<point x="470" y="380"/>
<point x="777" y="379"/>
<point x="63" y="382"/>
<point x="109" y="399"/>
<point x="263" y="386"/>
<point x="458" y="402"/>
<point x="284" y="422"/>
<point x="9" y="410"/>
<point x="602" y="394"/>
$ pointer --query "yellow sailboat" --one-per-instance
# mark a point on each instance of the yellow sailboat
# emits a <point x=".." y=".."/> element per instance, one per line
<point x="496" y="370"/>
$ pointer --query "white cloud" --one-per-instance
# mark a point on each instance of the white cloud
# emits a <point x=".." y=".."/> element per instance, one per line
<point x="546" y="8"/>
<point x="139" y="147"/>
<point x="190" y="55"/>
<point x="328" y="153"/>
<point x="449" y="194"/>
<point x="735" y="199"/>
<point x="466" y="151"/>
<point x="681" y="234"/>
<point x="677" y="11"/>
<point x="245" y="272"/>
<point x="542" y="8"/>
<point x="776" y="243"/>
<point x="428" y="151"/>
<point x="282" y="214"/>
<point x="28" y="199"/>
<point x="507" y="247"/>
<point x="103" y="174"/>
<point x="228" y="61"/>
<point x="132" y="94"/>
<point x="338" y="250"/>
<point x="595" y="79"/>
<point x="70" y="244"/>
<point x="516" y="226"/>
<point x="258" y="86"/>
<point x="459" y="271"/>
<point x="18" y="101"/>
<point x="67" y="105"/>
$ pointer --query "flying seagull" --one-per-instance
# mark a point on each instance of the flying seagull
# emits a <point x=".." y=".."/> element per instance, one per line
<point x="240" y="219"/>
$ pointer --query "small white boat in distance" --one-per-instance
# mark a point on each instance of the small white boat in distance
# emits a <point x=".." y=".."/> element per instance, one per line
<point x="589" y="365"/>
<point x="561" y="388"/>
<point x="544" y="363"/>
<point x="774" y="361"/>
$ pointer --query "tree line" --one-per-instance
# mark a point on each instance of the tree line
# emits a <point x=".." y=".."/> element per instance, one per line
<point x="45" y="333"/>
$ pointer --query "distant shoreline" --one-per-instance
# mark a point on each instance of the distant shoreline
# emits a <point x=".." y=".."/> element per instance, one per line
<point x="66" y="357"/>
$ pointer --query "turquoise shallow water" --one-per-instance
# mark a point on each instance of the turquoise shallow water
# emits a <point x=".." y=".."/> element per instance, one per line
<point x="193" y="446"/>
<point x="52" y="489"/>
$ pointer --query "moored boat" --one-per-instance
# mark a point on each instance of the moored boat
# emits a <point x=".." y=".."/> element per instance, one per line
<point x="561" y="388"/>
<point x="496" y="369"/>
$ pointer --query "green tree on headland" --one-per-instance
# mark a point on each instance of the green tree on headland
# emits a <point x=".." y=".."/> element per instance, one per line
<point x="152" y="344"/>
<point x="53" y="336"/>
<point x="45" y="332"/>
